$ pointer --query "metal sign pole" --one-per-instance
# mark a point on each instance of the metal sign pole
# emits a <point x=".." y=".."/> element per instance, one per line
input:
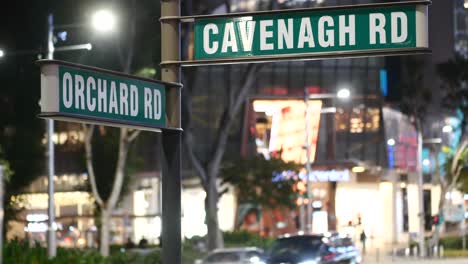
<point x="420" y="183"/>
<point x="2" y="213"/>
<point x="308" y="226"/>
<point x="51" y="239"/>
<point x="171" y="177"/>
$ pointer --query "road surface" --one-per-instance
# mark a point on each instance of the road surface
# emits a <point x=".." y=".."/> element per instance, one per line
<point x="388" y="260"/>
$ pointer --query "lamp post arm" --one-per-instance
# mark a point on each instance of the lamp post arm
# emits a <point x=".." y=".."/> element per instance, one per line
<point x="86" y="46"/>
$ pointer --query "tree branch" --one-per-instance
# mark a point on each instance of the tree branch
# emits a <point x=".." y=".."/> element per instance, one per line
<point x="125" y="137"/>
<point x="228" y="118"/>
<point x="88" y="131"/>
<point x="188" y="141"/>
<point x="456" y="158"/>
<point x="133" y="135"/>
<point x="457" y="166"/>
<point x="119" y="170"/>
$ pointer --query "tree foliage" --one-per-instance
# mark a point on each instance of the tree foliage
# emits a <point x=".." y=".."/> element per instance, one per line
<point x="455" y="178"/>
<point x="21" y="131"/>
<point x="457" y="171"/>
<point x="463" y="181"/>
<point x="259" y="181"/>
<point x="416" y="97"/>
<point x="454" y="74"/>
<point x="105" y="143"/>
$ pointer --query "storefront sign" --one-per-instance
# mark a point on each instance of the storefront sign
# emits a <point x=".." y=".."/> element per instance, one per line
<point x="327" y="176"/>
<point x="455" y="213"/>
<point x="84" y="94"/>
<point x="366" y="29"/>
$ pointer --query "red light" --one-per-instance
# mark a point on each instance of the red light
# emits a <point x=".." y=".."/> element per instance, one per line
<point x="329" y="256"/>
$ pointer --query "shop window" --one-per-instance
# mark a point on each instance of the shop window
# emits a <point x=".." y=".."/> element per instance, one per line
<point x="262" y="135"/>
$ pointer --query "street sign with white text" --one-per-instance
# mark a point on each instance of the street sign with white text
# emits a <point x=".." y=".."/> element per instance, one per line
<point x="363" y="30"/>
<point x="85" y="94"/>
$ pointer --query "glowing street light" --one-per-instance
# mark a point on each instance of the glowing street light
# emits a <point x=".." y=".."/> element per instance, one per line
<point x="103" y="20"/>
<point x="391" y="142"/>
<point x="426" y="162"/>
<point x="447" y="129"/>
<point x="343" y="93"/>
<point x="2" y="53"/>
<point x="358" y="169"/>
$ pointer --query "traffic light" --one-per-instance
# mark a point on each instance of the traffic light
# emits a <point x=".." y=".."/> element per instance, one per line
<point x="435" y="220"/>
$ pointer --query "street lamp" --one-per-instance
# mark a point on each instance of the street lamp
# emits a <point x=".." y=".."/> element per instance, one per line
<point x="447" y="129"/>
<point x="342" y="94"/>
<point x="358" y="169"/>
<point x="426" y="162"/>
<point x="103" y="20"/>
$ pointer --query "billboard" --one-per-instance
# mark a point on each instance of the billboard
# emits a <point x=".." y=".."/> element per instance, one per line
<point x="287" y="127"/>
<point x="402" y="140"/>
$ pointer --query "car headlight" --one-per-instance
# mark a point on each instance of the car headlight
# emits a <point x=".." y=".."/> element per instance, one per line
<point x="309" y="261"/>
<point x="256" y="260"/>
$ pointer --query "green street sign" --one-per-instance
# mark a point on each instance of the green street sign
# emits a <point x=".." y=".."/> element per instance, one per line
<point x="72" y="92"/>
<point x="363" y="30"/>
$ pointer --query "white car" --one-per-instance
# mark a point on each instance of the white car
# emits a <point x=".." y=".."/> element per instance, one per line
<point x="250" y="255"/>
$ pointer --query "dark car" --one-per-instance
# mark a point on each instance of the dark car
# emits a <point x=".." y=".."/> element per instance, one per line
<point x="314" y="249"/>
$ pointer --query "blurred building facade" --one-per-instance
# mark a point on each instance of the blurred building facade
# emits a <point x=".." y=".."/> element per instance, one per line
<point x="362" y="132"/>
<point x="365" y="152"/>
<point x="460" y="27"/>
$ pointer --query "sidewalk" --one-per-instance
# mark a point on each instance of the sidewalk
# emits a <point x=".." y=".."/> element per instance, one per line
<point x="369" y="259"/>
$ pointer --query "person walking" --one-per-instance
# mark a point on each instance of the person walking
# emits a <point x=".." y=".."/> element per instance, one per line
<point x="363" y="238"/>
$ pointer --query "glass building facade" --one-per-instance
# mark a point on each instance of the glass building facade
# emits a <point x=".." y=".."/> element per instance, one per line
<point x="353" y="130"/>
<point x="461" y="27"/>
<point x="350" y="131"/>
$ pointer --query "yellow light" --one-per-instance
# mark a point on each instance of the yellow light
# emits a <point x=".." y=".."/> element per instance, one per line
<point x="301" y="187"/>
<point x="402" y="185"/>
<point x="81" y="241"/>
<point x="465" y="5"/>
<point x="299" y="201"/>
<point x="358" y="169"/>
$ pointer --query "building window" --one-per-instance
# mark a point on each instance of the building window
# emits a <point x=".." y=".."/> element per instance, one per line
<point x="358" y="120"/>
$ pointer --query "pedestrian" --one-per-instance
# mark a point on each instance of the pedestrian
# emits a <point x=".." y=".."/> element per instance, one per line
<point x="363" y="238"/>
<point x="129" y="243"/>
<point x="143" y="243"/>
